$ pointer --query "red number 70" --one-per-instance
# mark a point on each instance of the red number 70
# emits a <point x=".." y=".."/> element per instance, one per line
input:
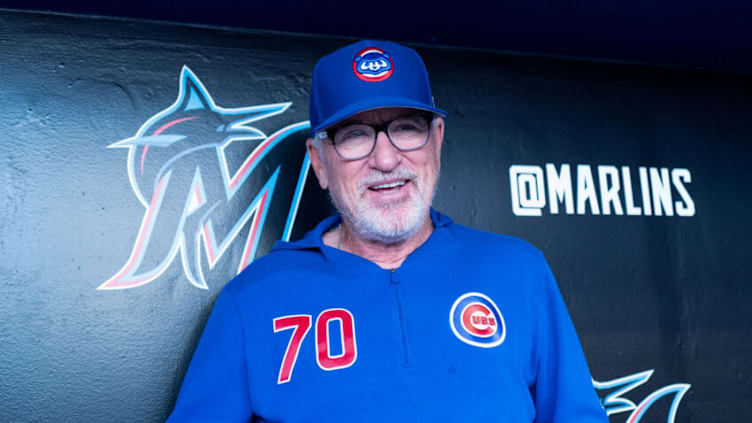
<point x="301" y="324"/>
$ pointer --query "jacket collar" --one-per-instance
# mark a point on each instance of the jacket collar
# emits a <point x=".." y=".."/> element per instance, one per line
<point x="313" y="239"/>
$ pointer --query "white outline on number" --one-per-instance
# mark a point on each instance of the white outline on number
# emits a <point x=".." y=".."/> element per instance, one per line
<point x="297" y="351"/>
<point x="342" y="339"/>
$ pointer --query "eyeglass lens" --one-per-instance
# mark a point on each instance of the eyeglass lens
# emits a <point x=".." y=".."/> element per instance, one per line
<point x="357" y="140"/>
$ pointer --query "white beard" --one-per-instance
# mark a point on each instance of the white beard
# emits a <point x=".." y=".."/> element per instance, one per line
<point x="388" y="222"/>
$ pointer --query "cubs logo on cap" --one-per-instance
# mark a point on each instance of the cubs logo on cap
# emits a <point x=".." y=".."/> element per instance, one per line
<point x="476" y="320"/>
<point x="340" y="86"/>
<point x="373" y="65"/>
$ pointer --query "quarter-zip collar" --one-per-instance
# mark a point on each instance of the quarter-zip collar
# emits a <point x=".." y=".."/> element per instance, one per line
<point x="348" y="263"/>
<point x="314" y="238"/>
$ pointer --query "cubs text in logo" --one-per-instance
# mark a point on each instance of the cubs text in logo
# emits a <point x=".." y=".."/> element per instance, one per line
<point x="476" y="320"/>
<point x="373" y="65"/>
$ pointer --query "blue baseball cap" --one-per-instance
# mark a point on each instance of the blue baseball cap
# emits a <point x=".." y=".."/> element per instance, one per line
<point x="368" y="75"/>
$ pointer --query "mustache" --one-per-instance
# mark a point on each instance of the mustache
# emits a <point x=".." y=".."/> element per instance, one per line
<point x="377" y="176"/>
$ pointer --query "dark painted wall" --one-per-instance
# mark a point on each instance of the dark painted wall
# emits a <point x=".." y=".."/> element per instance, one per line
<point x="110" y="258"/>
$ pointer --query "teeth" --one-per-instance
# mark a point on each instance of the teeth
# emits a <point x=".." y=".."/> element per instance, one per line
<point x="392" y="185"/>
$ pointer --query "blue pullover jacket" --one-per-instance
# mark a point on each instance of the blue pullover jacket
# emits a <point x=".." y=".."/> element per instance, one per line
<point x="470" y="328"/>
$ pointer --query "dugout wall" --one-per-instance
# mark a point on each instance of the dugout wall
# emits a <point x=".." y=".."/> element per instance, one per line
<point x="632" y="180"/>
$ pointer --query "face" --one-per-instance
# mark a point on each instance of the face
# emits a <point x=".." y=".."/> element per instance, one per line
<point x="385" y="196"/>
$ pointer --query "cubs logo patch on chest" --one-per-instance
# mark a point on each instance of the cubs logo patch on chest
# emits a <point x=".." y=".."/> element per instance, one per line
<point x="476" y="320"/>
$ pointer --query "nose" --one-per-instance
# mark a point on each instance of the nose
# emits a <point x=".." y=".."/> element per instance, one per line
<point x="385" y="155"/>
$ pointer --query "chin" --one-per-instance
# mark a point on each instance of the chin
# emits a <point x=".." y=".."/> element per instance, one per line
<point x="389" y="223"/>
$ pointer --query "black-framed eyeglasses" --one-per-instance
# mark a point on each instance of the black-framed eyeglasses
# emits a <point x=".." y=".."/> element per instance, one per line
<point x="357" y="140"/>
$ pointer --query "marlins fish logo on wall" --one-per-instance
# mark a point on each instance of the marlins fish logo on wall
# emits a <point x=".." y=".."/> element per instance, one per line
<point x="191" y="194"/>
<point x="614" y="398"/>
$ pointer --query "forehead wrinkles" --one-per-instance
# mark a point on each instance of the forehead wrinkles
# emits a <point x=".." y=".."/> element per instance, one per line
<point x="377" y="116"/>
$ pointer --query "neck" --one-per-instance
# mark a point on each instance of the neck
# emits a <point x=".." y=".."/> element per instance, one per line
<point x="387" y="256"/>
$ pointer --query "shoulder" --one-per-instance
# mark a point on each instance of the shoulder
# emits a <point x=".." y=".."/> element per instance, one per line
<point x="281" y="269"/>
<point x="508" y="266"/>
<point x="482" y="242"/>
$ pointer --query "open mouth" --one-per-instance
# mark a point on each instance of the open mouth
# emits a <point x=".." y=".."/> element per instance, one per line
<point x="388" y="186"/>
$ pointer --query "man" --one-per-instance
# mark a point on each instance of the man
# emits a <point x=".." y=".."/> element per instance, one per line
<point x="387" y="312"/>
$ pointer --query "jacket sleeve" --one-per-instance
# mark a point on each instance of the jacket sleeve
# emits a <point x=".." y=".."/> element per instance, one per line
<point x="215" y="387"/>
<point x="564" y="390"/>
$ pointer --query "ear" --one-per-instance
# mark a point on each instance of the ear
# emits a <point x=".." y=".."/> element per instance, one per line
<point x="317" y="163"/>
<point x="438" y="134"/>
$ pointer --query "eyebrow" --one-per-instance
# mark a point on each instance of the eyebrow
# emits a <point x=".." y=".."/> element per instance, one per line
<point x="360" y="121"/>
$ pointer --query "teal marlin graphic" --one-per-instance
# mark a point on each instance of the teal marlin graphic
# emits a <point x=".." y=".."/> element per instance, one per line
<point x="611" y="394"/>
<point x="179" y="172"/>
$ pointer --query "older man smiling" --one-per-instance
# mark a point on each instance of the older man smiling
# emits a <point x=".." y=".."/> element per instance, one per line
<point x="381" y="170"/>
<point x="414" y="318"/>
